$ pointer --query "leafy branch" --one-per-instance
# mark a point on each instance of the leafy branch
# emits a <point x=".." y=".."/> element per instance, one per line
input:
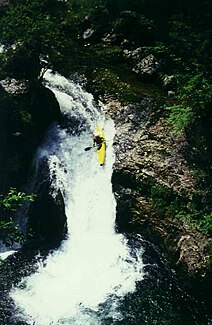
<point x="9" y="230"/>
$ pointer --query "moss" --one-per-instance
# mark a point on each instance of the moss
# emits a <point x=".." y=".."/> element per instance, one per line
<point x="107" y="53"/>
<point x="105" y="81"/>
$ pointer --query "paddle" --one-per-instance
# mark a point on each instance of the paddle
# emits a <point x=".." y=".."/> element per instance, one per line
<point x="88" y="148"/>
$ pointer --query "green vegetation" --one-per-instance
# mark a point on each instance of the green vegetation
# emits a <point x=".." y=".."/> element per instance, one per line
<point x="190" y="53"/>
<point x="194" y="96"/>
<point x="9" y="230"/>
<point x="180" y="116"/>
<point x="107" y="82"/>
<point x="27" y="25"/>
<point x="29" y="29"/>
<point x="168" y="203"/>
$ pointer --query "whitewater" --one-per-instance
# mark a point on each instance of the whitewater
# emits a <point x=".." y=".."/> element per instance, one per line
<point x="83" y="281"/>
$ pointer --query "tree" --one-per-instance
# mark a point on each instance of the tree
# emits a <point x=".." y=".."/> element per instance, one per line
<point x="30" y="29"/>
<point x="28" y="24"/>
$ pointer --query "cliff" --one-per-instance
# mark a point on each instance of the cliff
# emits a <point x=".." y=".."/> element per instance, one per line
<point x="152" y="182"/>
<point x="26" y="110"/>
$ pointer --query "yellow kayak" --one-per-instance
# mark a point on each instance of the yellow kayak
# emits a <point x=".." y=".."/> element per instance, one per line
<point x="101" y="153"/>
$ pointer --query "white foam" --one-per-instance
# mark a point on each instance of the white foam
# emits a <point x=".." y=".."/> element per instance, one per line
<point x="4" y="255"/>
<point x="94" y="264"/>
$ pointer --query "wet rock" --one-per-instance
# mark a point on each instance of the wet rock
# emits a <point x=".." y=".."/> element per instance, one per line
<point x="47" y="219"/>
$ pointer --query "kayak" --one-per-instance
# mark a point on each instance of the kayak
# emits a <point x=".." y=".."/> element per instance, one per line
<point x="101" y="153"/>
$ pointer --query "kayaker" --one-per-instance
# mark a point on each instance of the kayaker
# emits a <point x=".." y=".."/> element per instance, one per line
<point x="97" y="141"/>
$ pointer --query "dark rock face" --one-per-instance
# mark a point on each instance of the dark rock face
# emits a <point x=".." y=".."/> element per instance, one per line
<point x="47" y="219"/>
<point x="26" y="110"/>
<point x="148" y="158"/>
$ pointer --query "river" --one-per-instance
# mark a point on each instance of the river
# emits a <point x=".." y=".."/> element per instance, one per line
<point x="96" y="276"/>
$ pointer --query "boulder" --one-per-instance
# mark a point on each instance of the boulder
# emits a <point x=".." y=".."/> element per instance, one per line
<point x="147" y="67"/>
<point x="135" y="55"/>
<point x="46" y="218"/>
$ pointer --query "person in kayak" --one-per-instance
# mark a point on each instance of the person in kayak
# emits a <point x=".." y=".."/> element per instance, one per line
<point x="97" y="141"/>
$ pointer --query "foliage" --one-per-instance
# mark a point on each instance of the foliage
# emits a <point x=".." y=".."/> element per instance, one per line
<point x="179" y="116"/>
<point x="129" y="21"/>
<point x="197" y="91"/>
<point x="14" y="199"/>
<point x="158" y="49"/>
<point x="29" y="29"/>
<point x="79" y="9"/>
<point x="106" y="53"/>
<point x="190" y="45"/>
<point x="107" y="81"/>
<point x="165" y="201"/>
<point x="191" y="65"/>
<point x="194" y="96"/>
<point x="199" y="219"/>
<point x="168" y="203"/>
<point x="27" y="24"/>
<point x="9" y="230"/>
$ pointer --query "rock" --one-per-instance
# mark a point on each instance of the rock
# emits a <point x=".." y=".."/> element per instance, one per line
<point x="134" y="55"/>
<point x="168" y="81"/>
<point x="25" y="115"/>
<point x="149" y="157"/>
<point x="46" y="218"/>
<point x="4" y="3"/>
<point x="15" y="87"/>
<point x="87" y="33"/>
<point x="192" y="253"/>
<point x="147" y="67"/>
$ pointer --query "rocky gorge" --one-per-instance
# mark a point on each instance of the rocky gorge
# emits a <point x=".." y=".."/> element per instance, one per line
<point x="149" y="162"/>
<point x="156" y="184"/>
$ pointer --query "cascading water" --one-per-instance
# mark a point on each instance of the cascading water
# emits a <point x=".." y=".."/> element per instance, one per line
<point x="83" y="281"/>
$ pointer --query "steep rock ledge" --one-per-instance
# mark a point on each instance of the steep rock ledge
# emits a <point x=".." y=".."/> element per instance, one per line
<point x="26" y="110"/>
<point x="150" y="160"/>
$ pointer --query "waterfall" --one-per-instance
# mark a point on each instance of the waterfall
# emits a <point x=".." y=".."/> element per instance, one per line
<point x="84" y="280"/>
